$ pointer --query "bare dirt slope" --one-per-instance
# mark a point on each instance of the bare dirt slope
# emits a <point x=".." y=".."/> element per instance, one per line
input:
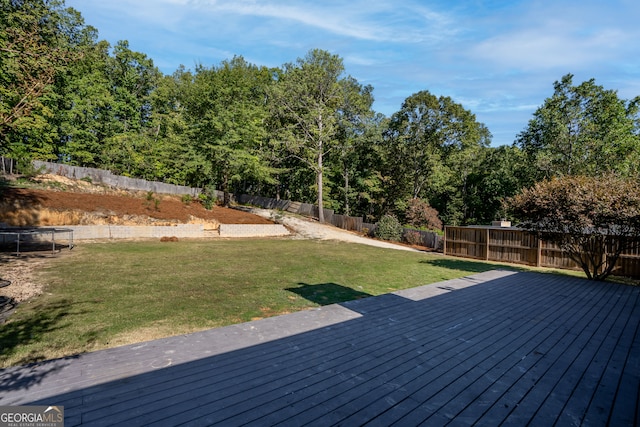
<point x="70" y="202"/>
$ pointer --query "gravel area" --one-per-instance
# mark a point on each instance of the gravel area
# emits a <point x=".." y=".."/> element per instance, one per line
<point x="311" y="229"/>
<point x="20" y="271"/>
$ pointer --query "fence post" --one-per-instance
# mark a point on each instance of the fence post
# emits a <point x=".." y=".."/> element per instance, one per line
<point x="486" y="256"/>
<point x="444" y="249"/>
<point x="539" y="251"/>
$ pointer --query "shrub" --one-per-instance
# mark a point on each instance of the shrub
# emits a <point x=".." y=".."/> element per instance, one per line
<point x="208" y="197"/>
<point x="412" y="237"/>
<point x="389" y="228"/>
<point x="151" y="198"/>
<point x="186" y="199"/>
<point x="420" y="215"/>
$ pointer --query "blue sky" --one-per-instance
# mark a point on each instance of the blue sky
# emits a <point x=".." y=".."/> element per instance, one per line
<point x="498" y="59"/>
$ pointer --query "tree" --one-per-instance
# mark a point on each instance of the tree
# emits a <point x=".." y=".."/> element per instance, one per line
<point x="36" y="42"/>
<point x="582" y="130"/>
<point x="306" y="99"/>
<point x="593" y="219"/>
<point x="356" y="126"/>
<point x="432" y="146"/>
<point x="175" y="159"/>
<point x="420" y="214"/>
<point x="501" y="173"/>
<point x="84" y="116"/>
<point x="227" y="110"/>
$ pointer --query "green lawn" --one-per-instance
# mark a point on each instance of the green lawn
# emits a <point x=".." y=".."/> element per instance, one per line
<point x="107" y="294"/>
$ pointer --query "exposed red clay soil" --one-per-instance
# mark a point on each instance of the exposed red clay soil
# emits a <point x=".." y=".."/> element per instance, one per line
<point x="96" y="205"/>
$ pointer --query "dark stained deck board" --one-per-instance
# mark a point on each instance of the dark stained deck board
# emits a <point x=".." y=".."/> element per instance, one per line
<point x="241" y="396"/>
<point x="602" y="356"/>
<point x="364" y="329"/>
<point x="628" y="393"/>
<point x="434" y="394"/>
<point x="450" y="403"/>
<point x="506" y="377"/>
<point x="587" y="341"/>
<point x="580" y="322"/>
<point x="487" y="339"/>
<point x="599" y="411"/>
<point x="495" y="348"/>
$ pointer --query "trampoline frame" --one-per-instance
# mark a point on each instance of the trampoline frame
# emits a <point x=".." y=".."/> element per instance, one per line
<point x="21" y="233"/>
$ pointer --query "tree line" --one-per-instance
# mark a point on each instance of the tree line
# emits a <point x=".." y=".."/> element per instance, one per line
<point x="304" y="131"/>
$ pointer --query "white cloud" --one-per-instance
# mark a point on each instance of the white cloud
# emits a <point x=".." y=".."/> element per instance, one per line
<point x="544" y="49"/>
<point x="557" y="35"/>
<point x="382" y="21"/>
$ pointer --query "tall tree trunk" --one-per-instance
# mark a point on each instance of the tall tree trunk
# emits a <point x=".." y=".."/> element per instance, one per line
<point x="319" y="176"/>
<point x="346" y="191"/>
<point x="320" y="209"/>
<point x="225" y="190"/>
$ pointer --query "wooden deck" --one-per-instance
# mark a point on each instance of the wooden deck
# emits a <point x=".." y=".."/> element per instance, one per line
<point x="496" y="348"/>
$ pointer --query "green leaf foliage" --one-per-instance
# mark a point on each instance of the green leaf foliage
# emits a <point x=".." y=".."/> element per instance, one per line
<point x="389" y="228"/>
<point x="226" y="113"/>
<point x="592" y="218"/>
<point x="582" y="130"/>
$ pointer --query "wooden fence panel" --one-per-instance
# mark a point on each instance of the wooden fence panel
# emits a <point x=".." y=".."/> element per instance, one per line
<point x="521" y="247"/>
<point x="508" y="245"/>
<point x="554" y="257"/>
<point x="628" y="264"/>
<point x="348" y="222"/>
<point x="466" y="242"/>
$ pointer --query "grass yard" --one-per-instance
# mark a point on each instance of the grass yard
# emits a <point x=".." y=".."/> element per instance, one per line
<point x="108" y="294"/>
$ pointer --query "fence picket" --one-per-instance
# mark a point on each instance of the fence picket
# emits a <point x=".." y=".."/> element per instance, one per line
<point x="521" y="247"/>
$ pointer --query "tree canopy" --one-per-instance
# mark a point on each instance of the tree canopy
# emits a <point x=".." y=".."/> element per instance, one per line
<point x="582" y="130"/>
<point x="305" y="131"/>
<point x="433" y="145"/>
<point x="593" y="219"/>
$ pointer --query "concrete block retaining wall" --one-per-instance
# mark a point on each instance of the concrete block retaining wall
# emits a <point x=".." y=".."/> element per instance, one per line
<point x="83" y="232"/>
<point x="88" y="232"/>
<point x="252" y="230"/>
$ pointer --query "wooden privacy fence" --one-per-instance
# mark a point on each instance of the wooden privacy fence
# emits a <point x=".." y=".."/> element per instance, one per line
<point x="513" y="245"/>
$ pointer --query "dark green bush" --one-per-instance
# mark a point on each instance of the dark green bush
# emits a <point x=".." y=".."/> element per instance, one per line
<point x="389" y="228"/>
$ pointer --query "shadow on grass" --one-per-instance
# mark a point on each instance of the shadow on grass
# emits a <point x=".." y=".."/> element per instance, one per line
<point x="24" y="331"/>
<point x="327" y="293"/>
<point x="467" y="265"/>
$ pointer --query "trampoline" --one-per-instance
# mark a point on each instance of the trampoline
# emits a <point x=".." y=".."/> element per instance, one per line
<point x="35" y="235"/>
